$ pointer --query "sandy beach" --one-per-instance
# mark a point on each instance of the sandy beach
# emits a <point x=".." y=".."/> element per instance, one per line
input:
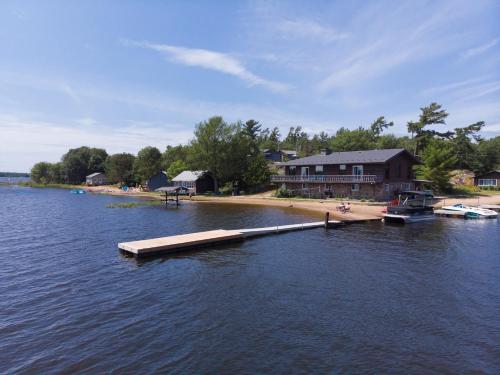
<point x="359" y="210"/>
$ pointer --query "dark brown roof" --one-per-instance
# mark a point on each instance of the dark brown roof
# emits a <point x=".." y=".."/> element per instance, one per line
<point x="351" y="157"/>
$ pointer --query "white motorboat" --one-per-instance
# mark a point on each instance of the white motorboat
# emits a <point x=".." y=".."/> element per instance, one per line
<point x="472" y="212"/>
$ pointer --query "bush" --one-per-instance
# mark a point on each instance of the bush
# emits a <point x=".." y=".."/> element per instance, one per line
<point x="283" y="193"/>
<point x="465" y="189"/>
<point x="227" y="189"/>
<point x="489" y="188"/>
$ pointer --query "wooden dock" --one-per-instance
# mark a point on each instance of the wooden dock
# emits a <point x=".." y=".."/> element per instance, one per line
<point x="202" y="239"/>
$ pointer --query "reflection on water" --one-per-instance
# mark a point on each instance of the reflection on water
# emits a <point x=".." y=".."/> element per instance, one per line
<point x="365" y="298"/>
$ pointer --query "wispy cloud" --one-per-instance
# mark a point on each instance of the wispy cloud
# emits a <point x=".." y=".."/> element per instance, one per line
<point x="471" y="52"/>
<point x="447" y="87"/>
<point x="303" y="28"/>
<point x="392" y="37"/>
<point x="212" y="60"/>
<point x="463" y="91"/>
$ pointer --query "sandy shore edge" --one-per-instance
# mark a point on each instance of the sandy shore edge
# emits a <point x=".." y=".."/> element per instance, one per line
<point x="359" y="210"/>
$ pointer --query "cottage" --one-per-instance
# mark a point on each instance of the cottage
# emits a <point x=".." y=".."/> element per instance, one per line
<point x="490" y="179"/>
<point x="279" y="156"/>
<point x="96" y="179"/>
<point x="373" y="174"/>
<point x="198" y="182"/>
<point x="157" y="181"/>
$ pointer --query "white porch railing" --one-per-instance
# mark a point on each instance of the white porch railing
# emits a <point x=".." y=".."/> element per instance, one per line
<point x="347" y="179"/>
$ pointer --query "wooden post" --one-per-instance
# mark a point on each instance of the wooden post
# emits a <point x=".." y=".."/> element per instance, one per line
<point x="327" y="219"/>
<point x="177" y="197"/>
<point x="166" y="199"/>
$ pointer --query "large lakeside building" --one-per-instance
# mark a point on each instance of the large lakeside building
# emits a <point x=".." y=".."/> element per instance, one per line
<point x="373" y="174"/>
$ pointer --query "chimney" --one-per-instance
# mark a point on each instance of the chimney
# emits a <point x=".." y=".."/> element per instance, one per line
<point x="325" y="151"/>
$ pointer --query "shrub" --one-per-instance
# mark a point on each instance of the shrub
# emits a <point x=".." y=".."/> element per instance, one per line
<point x="283" y="193"/>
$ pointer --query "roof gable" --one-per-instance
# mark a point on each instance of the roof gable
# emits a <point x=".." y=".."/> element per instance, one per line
<point x="189" y="176"/>
<point x="94" y="174"/>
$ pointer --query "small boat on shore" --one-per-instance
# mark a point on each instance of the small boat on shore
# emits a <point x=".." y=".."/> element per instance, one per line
<point x="472" y="212"/>
<point x="77" y="191"/>
<point x="411" y="207"/>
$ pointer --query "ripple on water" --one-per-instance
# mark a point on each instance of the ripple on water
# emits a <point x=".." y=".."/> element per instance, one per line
<point x="362" y="298"/>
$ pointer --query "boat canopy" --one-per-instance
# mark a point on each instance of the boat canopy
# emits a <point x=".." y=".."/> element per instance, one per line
<point x="418" y="192"/>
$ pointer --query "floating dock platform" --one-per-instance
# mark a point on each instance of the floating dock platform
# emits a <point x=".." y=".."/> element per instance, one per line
<point x="182" y="242"/>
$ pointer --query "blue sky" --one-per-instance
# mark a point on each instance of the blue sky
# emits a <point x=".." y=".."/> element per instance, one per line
<point x="126" y="74"/>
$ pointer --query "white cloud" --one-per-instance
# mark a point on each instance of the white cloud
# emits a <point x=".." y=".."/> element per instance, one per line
<point x="303" y="28"/>
<point x="26" y="141"/>
<point x="212" y="60"/>
<point x="471" y="52"/>
<point x="86" y="121"/>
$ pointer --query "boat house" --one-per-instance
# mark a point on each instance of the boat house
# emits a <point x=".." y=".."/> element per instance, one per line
<point x="197" y="182"/>
<point x="157" y="181"/>
<point x="372" y="174"/>
<point x="490" y="179"/>
<point x="96" y="179"/>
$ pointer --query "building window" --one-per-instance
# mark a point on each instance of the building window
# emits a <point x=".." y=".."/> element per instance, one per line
<point x="304" y="171"/>
<point x="398" y="170"/>
<point x="387" y="188"/>
<point x="357" y="170"/>
<point x="342" y="167"/>
<point x="387" y="171"/>
<point x="487" y="182"/>
<point x="292" y="170"/>
<point x="355" y="187"/>
<point x="319" y="169"/>
<point x="409" y="171"/>
<point x="405" y="186"/>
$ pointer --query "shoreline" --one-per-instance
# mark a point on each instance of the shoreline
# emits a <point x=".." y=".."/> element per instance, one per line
<point x="359" y="210"/>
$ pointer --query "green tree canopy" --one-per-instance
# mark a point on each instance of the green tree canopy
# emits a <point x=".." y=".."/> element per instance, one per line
<point x="439" y="160"/>
<point x="176" y="168"/>
<point x="40" y="173"/>
<point x="79" y="162"/>
<point x="147" y="163"/>
<point x="120" y="168"/>
<point x="353" y="140"/>
<point x="209" y="149"/>
<point x="173" y="153"/>
<point x="430" y="115"/>
<point x="379" y="125"/>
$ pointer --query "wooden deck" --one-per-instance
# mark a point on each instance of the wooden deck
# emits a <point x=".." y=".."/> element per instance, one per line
<point x="179" y="242"/>
<point x="203" y="239"/>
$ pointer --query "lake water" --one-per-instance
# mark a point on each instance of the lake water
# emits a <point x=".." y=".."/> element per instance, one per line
<point x="366" y="298"/>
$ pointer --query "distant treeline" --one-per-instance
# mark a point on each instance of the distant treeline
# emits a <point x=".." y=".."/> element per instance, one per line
<point x="13" y="174"/>
<point x="233" y="152"/>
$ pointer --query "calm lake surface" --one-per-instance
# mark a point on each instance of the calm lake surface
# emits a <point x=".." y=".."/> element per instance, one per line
<point x="367" y="298"/>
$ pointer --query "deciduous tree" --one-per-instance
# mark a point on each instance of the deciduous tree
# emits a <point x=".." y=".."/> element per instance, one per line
<point x="147" y="163"/>
<point x="120" y="168"/>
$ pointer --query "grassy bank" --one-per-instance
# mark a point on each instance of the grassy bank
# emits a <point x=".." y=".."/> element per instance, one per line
<point x="52" y="186"/>
<point x="135" y="204"/>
